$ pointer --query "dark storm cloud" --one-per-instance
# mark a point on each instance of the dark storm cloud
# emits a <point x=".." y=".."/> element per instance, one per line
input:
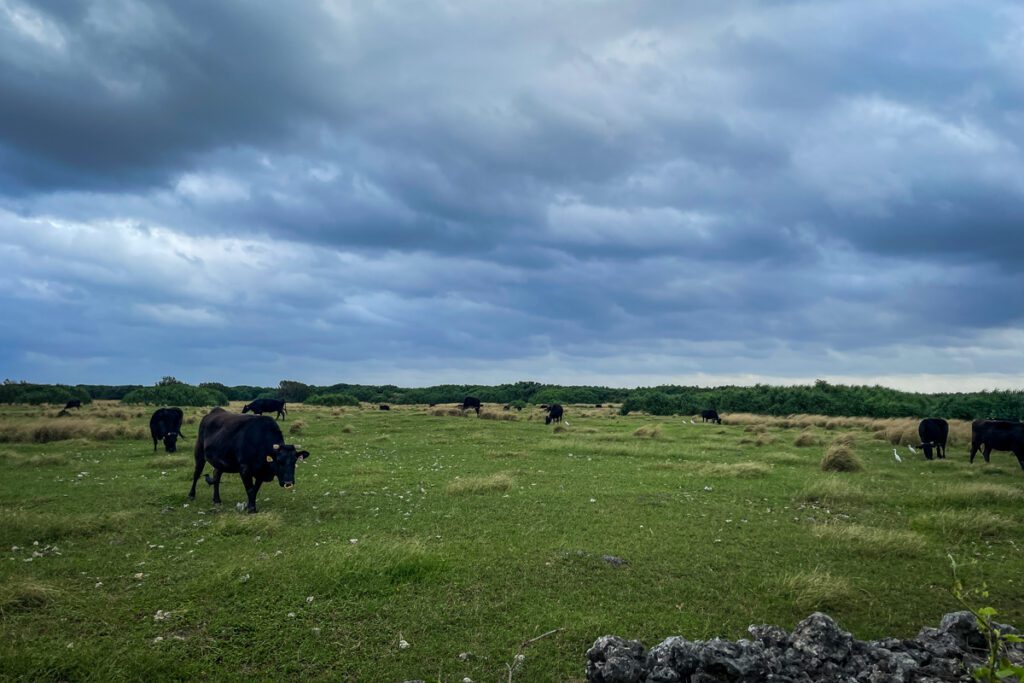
<point x="550" y="190"/>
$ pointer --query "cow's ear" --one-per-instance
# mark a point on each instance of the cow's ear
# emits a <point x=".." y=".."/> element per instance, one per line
<point x="303" y="454"/>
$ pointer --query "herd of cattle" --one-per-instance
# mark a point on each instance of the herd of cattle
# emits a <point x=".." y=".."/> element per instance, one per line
<point x="253" y="447"/>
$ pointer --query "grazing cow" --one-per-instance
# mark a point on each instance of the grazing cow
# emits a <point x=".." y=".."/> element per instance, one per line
<point x="166" y="424"/>
<point x="73" y="403"/>
<point x="934" y="432"/>
<point x="507" y="407"/>
<point x="432" y="405"/>
<point x="384" y="406"/>
<point x="265" y="405"/>
<point x="997" y="435"/>
<point x="471" y="402"/>
<point x="554" y="414"/>
<point x="710" y="416"/>
<point x="251" y="445"/>
<point x="598" y="405"/>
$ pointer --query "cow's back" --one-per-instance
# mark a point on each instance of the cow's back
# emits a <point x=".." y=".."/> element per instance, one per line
<point x="228" y="439"/>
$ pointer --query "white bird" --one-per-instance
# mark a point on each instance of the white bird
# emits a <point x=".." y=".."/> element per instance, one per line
<point x="692" y="422"/>
<point x="911" y="448"/>
<point x="897" y="456"/>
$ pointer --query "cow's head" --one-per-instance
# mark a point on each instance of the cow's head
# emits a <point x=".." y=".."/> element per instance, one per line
<point x="547" y="419"/>
<point x="171" y="442"/>
<point x="927" y="448"/>
<point x="247" y="407"/>
<point x="283" y="459"/>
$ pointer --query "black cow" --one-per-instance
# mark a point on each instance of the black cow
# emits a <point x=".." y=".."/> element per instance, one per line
<point x="166" y="424"/>
<point x="710" y="416"/>
<point x="934" y="433"/>
<point x="471" y="402"/>
<point x="265" y="405"/>
<point x="251" y="445"/>
<point x="997" y="435"/>
<point x="73" y="403"/>
<point x="384" y="406"/>
<point x="554" y="414"/>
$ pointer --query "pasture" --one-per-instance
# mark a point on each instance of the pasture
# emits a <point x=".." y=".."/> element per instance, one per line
<point x="421" y="544"/>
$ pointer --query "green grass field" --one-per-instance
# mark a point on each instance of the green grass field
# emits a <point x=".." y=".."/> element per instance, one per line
<point x="464" y="537"/>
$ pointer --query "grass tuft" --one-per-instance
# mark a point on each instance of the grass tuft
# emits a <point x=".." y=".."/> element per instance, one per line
<point x="832" y="490"/>
<point x="25" y="595"/>
<point x="966" y="525"/>
<point x="296" y="427"/>
<point x="491" y="415"/>
<point x="476" y="485"/>
<point x="818" y="590"/>
<point x="648" y="432"/>
<point x="839" y="458"/>
<point x="972" y="493"/>
<point x="882" y="542"/>
<point x="805" y="439"/>
<point x="231" y="523"/>
<point x="741" y="470"/>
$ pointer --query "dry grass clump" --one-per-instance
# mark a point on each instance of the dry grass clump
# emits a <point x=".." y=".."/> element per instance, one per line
<point x="25" y="595"/>
<point x="476" y="485"/>
<point x="348" y="429"/>
<point x="839" y="458"/>
<point x="560" y="428"/>
<point x="846" y="439"/>
<point x="972" y="493"/>
<point x="872" y="540"/>
<point x="739" y="470"/>
<point x="648" y="432"/>
<point x="448" y="412"/>
<point x="805" y="439"/>
<point x="818" y="590"/>
<point x="296" y="427"/>
<point x="832" y="490"/>
<point x="49" y="431"/>
<point x="961" y="525"/>
<point x="244" y="524"/>
<point x="41" y="460"/>
<point x="491" y="415"/>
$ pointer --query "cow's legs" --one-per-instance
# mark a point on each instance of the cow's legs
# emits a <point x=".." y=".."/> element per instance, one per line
<point x="1020" y="458"/>
<point x="200" y="464"/>
<point x="987" y="452"/>
<point x="251" y="489"/>
<point x="974" y="450"/>
<point x="215" y="483"/>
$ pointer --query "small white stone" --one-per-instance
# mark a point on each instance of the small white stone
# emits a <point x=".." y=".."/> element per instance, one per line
<point x="403" y="644"/>
<point x="309" y="599"/>
<point x="291" y="615"/>
<point x="138" y="575"/>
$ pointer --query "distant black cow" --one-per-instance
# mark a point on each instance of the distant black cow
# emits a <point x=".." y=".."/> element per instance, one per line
<point x="73" y="403"/>
<point x="554" y="414"/>
<point x="997" y="435"/>
<point x="598" y="405"/>
<point x="383" y="406"/>
<point x="265" y="405"/>
<point x="471" y="402"/>
<point x="251" y="445"/>
<point x="166" y="424"/>
<point x="710" y="416"/>
<point x="934" y="432"/>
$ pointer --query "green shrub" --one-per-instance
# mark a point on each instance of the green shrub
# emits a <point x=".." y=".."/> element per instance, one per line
<point x="332" y="400"/>
<point x="176" y="394"/>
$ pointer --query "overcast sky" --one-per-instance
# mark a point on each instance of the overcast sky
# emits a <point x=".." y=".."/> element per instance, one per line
<point x="587" y="192"/>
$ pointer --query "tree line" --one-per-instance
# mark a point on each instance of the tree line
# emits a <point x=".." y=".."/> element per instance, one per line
<point x="821" y="398"/>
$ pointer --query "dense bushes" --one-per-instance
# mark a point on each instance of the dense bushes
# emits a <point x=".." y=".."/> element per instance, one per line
<point x="23" y="392"/>
<point x="820" y="398"/>
<point x="332" y="400"/>
<point x="177" y="394"/>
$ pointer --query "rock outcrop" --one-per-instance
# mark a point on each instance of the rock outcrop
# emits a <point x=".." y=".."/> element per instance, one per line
<point x="816" y="650"/>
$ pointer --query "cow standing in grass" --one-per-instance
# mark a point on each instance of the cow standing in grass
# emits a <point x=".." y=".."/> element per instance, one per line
<point x="934" y="433"/>
<point x="555" y="413"/>
<point x="266" y="405"/>
<point x="73" y="403"/>
<point x="710" y="416"/>
<point x="251" y="445"/>
<point x="166" y="424"/>
<point x="997" y="435"/>
<point x="470" y="402"/>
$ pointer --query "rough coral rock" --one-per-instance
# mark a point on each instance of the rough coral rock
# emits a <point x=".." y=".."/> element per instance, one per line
<point x="817" y="650"/>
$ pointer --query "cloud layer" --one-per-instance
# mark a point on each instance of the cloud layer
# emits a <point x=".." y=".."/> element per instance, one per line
<point x="599" y="192"/>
